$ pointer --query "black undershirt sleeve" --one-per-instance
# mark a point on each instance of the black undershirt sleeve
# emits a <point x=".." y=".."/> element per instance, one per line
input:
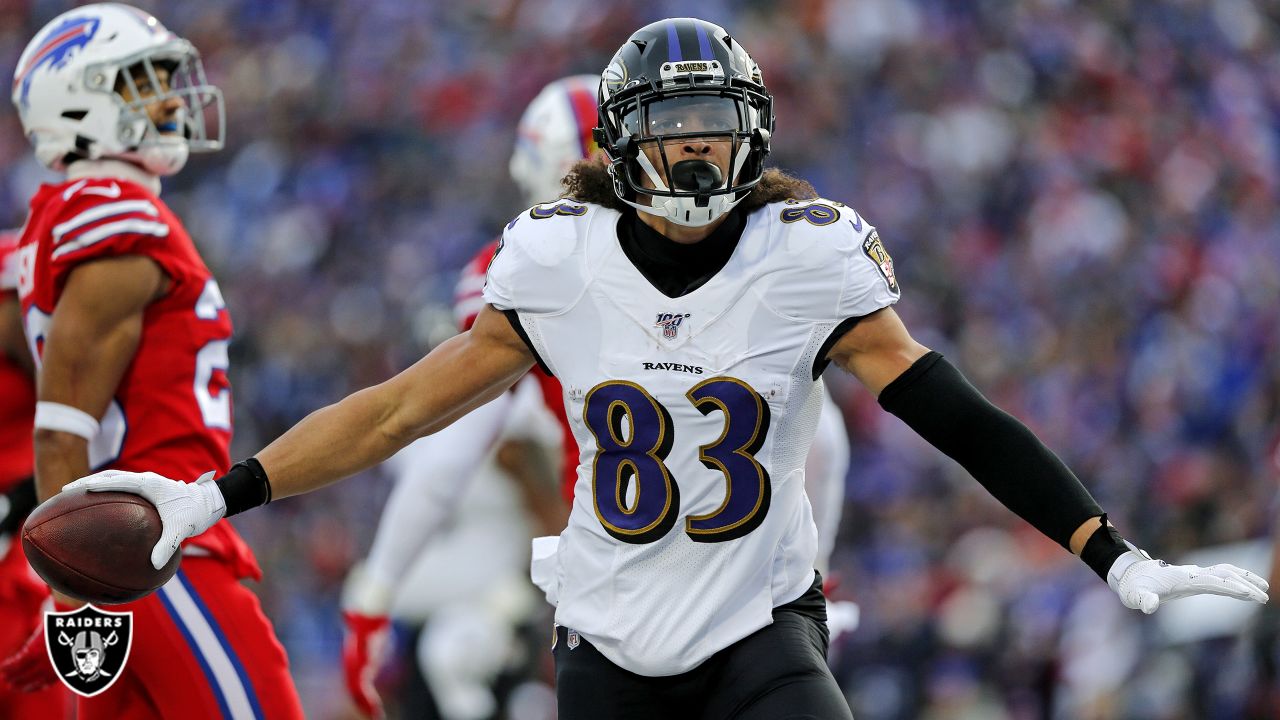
<point x="820" y="360"/>
<point x="513" y="317"/>
<point x="1001" y="453"/>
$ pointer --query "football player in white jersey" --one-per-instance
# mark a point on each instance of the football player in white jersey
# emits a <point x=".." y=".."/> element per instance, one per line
<point x="687" y="299"/>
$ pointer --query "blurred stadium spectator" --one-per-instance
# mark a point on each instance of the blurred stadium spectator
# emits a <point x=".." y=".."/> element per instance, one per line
<point x="1081" y="197"/>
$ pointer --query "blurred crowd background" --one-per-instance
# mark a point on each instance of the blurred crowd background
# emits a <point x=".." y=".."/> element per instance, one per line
<point x="1081" y="200"/>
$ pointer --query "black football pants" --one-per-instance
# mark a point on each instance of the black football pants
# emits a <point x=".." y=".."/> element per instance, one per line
<point x="777" y="673"/>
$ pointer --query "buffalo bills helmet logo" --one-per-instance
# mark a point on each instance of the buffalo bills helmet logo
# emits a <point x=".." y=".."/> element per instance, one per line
<point x="60" y="45"/>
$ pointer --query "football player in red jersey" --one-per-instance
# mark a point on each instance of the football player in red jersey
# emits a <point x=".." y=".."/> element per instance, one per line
<point x="129" y="333"/>
<point x="22" y="594"/>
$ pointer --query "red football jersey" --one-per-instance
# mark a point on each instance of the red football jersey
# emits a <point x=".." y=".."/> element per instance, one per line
<point x="172" y="410"/>
<point x="17" y="388"/>
<point x="468" y="299"/>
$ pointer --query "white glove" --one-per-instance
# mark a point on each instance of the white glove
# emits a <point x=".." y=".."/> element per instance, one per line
<point x="1143" y="584"/>
<point x="186" y="509"/>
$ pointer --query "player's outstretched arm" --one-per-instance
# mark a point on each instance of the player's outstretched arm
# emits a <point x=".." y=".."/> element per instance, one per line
<point x="369" y="426"/>
<point x="358" y="432"/>
<point x="922" y="389"/>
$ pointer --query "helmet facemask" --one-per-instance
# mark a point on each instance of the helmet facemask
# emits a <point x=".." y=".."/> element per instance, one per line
<point x="162" y="150"/>
<point x="721" y="126"/>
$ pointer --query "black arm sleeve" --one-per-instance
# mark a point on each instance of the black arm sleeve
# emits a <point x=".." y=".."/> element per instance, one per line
<point x="935" y="400"/>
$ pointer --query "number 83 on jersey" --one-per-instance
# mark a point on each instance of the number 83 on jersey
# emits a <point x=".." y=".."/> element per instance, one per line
<point x="637" y="499"/>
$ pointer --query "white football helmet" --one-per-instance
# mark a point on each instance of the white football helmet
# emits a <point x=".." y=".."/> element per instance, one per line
<point x="554" y="133"/>
<point x="65" y="89"/>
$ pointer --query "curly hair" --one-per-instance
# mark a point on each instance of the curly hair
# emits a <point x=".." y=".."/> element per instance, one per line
<point x="589" y="181"/>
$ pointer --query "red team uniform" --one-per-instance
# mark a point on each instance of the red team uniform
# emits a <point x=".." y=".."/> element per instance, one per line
<point x="17" y="388"/>
<point x="201" y="646"/>
<point x="22" y="593"/>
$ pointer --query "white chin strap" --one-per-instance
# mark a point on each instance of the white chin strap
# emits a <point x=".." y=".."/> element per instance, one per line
<point x="165" y="157"/>
<point x="684" y="210"/>
<point x="160" y="154"/>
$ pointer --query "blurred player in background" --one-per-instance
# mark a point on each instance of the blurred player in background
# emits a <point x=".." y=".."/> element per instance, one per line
<point x="452" y="547"/>
<point x="451" y="550"/>
<point x="129" y="333"/>
<point x="451" y="555"/>
<point x="554" y="133"/>
<point x="22" y="594"/>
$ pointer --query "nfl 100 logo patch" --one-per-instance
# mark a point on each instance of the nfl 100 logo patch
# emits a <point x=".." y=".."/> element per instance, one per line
<point x="88" y="647"/>
<point x="670" y="324"/>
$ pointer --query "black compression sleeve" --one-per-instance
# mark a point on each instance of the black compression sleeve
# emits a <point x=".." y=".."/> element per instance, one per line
<point x="244" y="487"/>
<point x="935" y="400"/>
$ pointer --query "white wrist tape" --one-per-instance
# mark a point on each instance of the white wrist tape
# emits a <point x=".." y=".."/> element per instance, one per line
<point x="64" y="418"/>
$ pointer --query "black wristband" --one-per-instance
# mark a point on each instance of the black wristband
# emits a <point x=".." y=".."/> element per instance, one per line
<point x="244" y="487"/>
<point x="1102" y="549"/>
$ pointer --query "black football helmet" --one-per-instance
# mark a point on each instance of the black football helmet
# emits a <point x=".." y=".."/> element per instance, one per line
<point x="683" y="79"/>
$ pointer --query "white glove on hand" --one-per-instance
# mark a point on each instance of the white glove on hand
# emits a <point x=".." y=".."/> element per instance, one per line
<point x="186" y="509"/>
<point x="1143" y="584"/>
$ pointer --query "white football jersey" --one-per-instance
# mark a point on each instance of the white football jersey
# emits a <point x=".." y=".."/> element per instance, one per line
<point x="824" y="472"/>
<point x="693" y="414"/>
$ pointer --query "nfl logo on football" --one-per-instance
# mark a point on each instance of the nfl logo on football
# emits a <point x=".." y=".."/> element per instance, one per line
<point x="670" y="324"/>
<point x="88" y="647"/>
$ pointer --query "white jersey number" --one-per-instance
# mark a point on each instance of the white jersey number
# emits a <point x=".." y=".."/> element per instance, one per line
<point x="215" y="408"/>
<point x="635" y="451"/>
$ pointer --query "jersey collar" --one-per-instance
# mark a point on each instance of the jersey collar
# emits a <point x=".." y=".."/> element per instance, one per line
<point x="107" y="168"/>
<point x="677" y="269"/>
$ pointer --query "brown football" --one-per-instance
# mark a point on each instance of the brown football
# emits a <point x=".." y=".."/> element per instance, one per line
<point x="96" y="546"/>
